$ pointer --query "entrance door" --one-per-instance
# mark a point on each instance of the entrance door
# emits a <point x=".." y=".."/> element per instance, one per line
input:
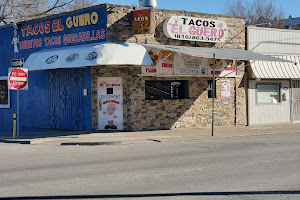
<point x="296" y="100"/>
<point x="110" y="103"/>
<point x="66" y="104"/>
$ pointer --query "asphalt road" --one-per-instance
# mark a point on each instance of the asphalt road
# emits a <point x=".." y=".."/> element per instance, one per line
<point x="252" y="167"/>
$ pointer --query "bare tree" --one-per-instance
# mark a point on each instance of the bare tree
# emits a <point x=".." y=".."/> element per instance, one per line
<point x="256" y="12"/>
<point x="20" y="10"/>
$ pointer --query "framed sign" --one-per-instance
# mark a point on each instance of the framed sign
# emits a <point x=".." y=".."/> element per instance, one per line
<point x="189" y="65"/>
<point x="225" y="89"/>
<point x="195" y="29"/>
<point x="143" y="21"/>
<point x="223" y="67"/>
<point x="163" y="62"/>
<point x="110" y="103"/>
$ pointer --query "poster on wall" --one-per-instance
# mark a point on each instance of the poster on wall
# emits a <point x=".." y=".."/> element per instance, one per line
<point x="225" y="89"/>
<point x="110" y="103"/>
<point x="223" y="67"/>
<point x="172" y="63"/>
<point x="189" y="65"/>
<point x="163" y="62"/>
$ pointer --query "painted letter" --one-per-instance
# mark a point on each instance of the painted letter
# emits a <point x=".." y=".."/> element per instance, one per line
<point x="174" y="28"/>
<point x="69" y="23"/>
<point x="214" y="32"/>
<point x="94" y="18"/>
<point x="207" y="32"/>
<point x="192" y="30"/>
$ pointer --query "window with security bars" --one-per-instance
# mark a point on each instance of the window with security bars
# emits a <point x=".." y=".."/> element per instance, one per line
<point x="211" y="90"/>
<point x="157" y="90"/>
<point x="4" y="93"/>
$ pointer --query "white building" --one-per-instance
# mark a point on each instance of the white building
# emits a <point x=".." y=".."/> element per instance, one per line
<point x="274" y="87"/>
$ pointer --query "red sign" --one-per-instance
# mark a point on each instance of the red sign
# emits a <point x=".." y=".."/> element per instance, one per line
<point x="167" y="65"/>
<point x="142" y="22"/>
<point x="216" y="72"/>
<point x="18" y="79"/>
<point x="229" y="68"/>
<point x="113" y="101"/>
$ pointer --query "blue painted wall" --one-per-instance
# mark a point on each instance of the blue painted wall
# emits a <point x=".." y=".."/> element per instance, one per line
<point x="34" y="105"/>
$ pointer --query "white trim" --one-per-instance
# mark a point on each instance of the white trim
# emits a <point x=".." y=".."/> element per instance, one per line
<point x="5" y="105"/>
<point x="104" y="53"/>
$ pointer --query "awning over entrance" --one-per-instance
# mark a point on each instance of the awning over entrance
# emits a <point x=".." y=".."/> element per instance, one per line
<point x="277" y="70"/>
<point x="231" y="54"/>
<point x="105" y="53"/>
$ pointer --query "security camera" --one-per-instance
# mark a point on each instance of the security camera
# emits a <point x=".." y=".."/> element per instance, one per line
<point x="14" y="25"/>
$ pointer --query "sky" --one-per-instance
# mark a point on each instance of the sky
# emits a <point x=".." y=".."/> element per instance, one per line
<point x="290" y="7"/>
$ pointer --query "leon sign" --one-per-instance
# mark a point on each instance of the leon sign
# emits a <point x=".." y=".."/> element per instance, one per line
<point x="143" y="21"/>
<point x="195" y="29"/>
<point x="18" y="79"/>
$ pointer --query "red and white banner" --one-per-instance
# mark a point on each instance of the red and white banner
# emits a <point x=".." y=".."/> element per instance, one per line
<point x="225" y="89"/>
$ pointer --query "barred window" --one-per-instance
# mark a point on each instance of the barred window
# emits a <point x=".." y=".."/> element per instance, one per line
<point x="4" y="93"/>
<point x="157" y="90"/>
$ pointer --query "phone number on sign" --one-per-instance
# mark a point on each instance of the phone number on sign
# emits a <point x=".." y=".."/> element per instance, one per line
<point x="199" y="38"/>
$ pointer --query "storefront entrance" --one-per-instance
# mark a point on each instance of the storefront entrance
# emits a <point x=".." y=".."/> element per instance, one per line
<point x="110" y="103"/>
<point x="296" y="100"/>
<point x="66" y="104"/>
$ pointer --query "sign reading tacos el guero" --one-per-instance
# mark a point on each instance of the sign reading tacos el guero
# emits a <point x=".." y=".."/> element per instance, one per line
<point x="195" y="29"/>
<point x="77" y="28"/>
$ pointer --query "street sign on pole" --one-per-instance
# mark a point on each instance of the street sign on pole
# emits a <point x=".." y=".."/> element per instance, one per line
<point x="17" y="62"/>
<point x="18" y="79"/>
<point x="213" y="97"/>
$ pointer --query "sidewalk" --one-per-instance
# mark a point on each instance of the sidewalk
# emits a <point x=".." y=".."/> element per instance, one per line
<point x="172" y="135"/>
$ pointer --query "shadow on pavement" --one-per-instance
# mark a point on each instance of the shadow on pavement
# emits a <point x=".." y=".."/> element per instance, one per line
<point x="55" y="133"/>
<point x="112" y="196"/>
<point x="32" y="135"/>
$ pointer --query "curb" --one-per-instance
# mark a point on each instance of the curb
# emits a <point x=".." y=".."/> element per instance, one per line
<point x="27" y="141"/>
<point x="16" y="141"/>
<point x="88" y="143"/>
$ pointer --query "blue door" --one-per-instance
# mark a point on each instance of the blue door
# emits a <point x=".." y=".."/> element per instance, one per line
<point x="66" y="104"/>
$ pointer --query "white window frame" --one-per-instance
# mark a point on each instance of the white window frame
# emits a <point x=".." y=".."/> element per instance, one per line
<point x="5" y="105"/>
<point x="269" y="103"/>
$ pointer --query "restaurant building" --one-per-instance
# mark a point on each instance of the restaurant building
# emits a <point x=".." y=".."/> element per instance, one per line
<point x="117" y="67"/>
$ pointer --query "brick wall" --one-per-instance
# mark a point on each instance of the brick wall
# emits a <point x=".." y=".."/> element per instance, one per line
<point x="119" y="28"/>
<point x="141" y="114"/>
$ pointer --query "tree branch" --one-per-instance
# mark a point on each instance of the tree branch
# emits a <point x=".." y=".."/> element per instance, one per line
<point x="52" y="8"/>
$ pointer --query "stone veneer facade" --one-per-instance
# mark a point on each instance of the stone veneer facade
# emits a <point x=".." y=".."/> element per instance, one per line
<point x="141" y="114"/>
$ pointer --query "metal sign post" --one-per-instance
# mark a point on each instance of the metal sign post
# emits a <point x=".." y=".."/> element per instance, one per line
<point x="18" y="80"/>
<point x="18" y="113"/>
<point x="213" y="97"/>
